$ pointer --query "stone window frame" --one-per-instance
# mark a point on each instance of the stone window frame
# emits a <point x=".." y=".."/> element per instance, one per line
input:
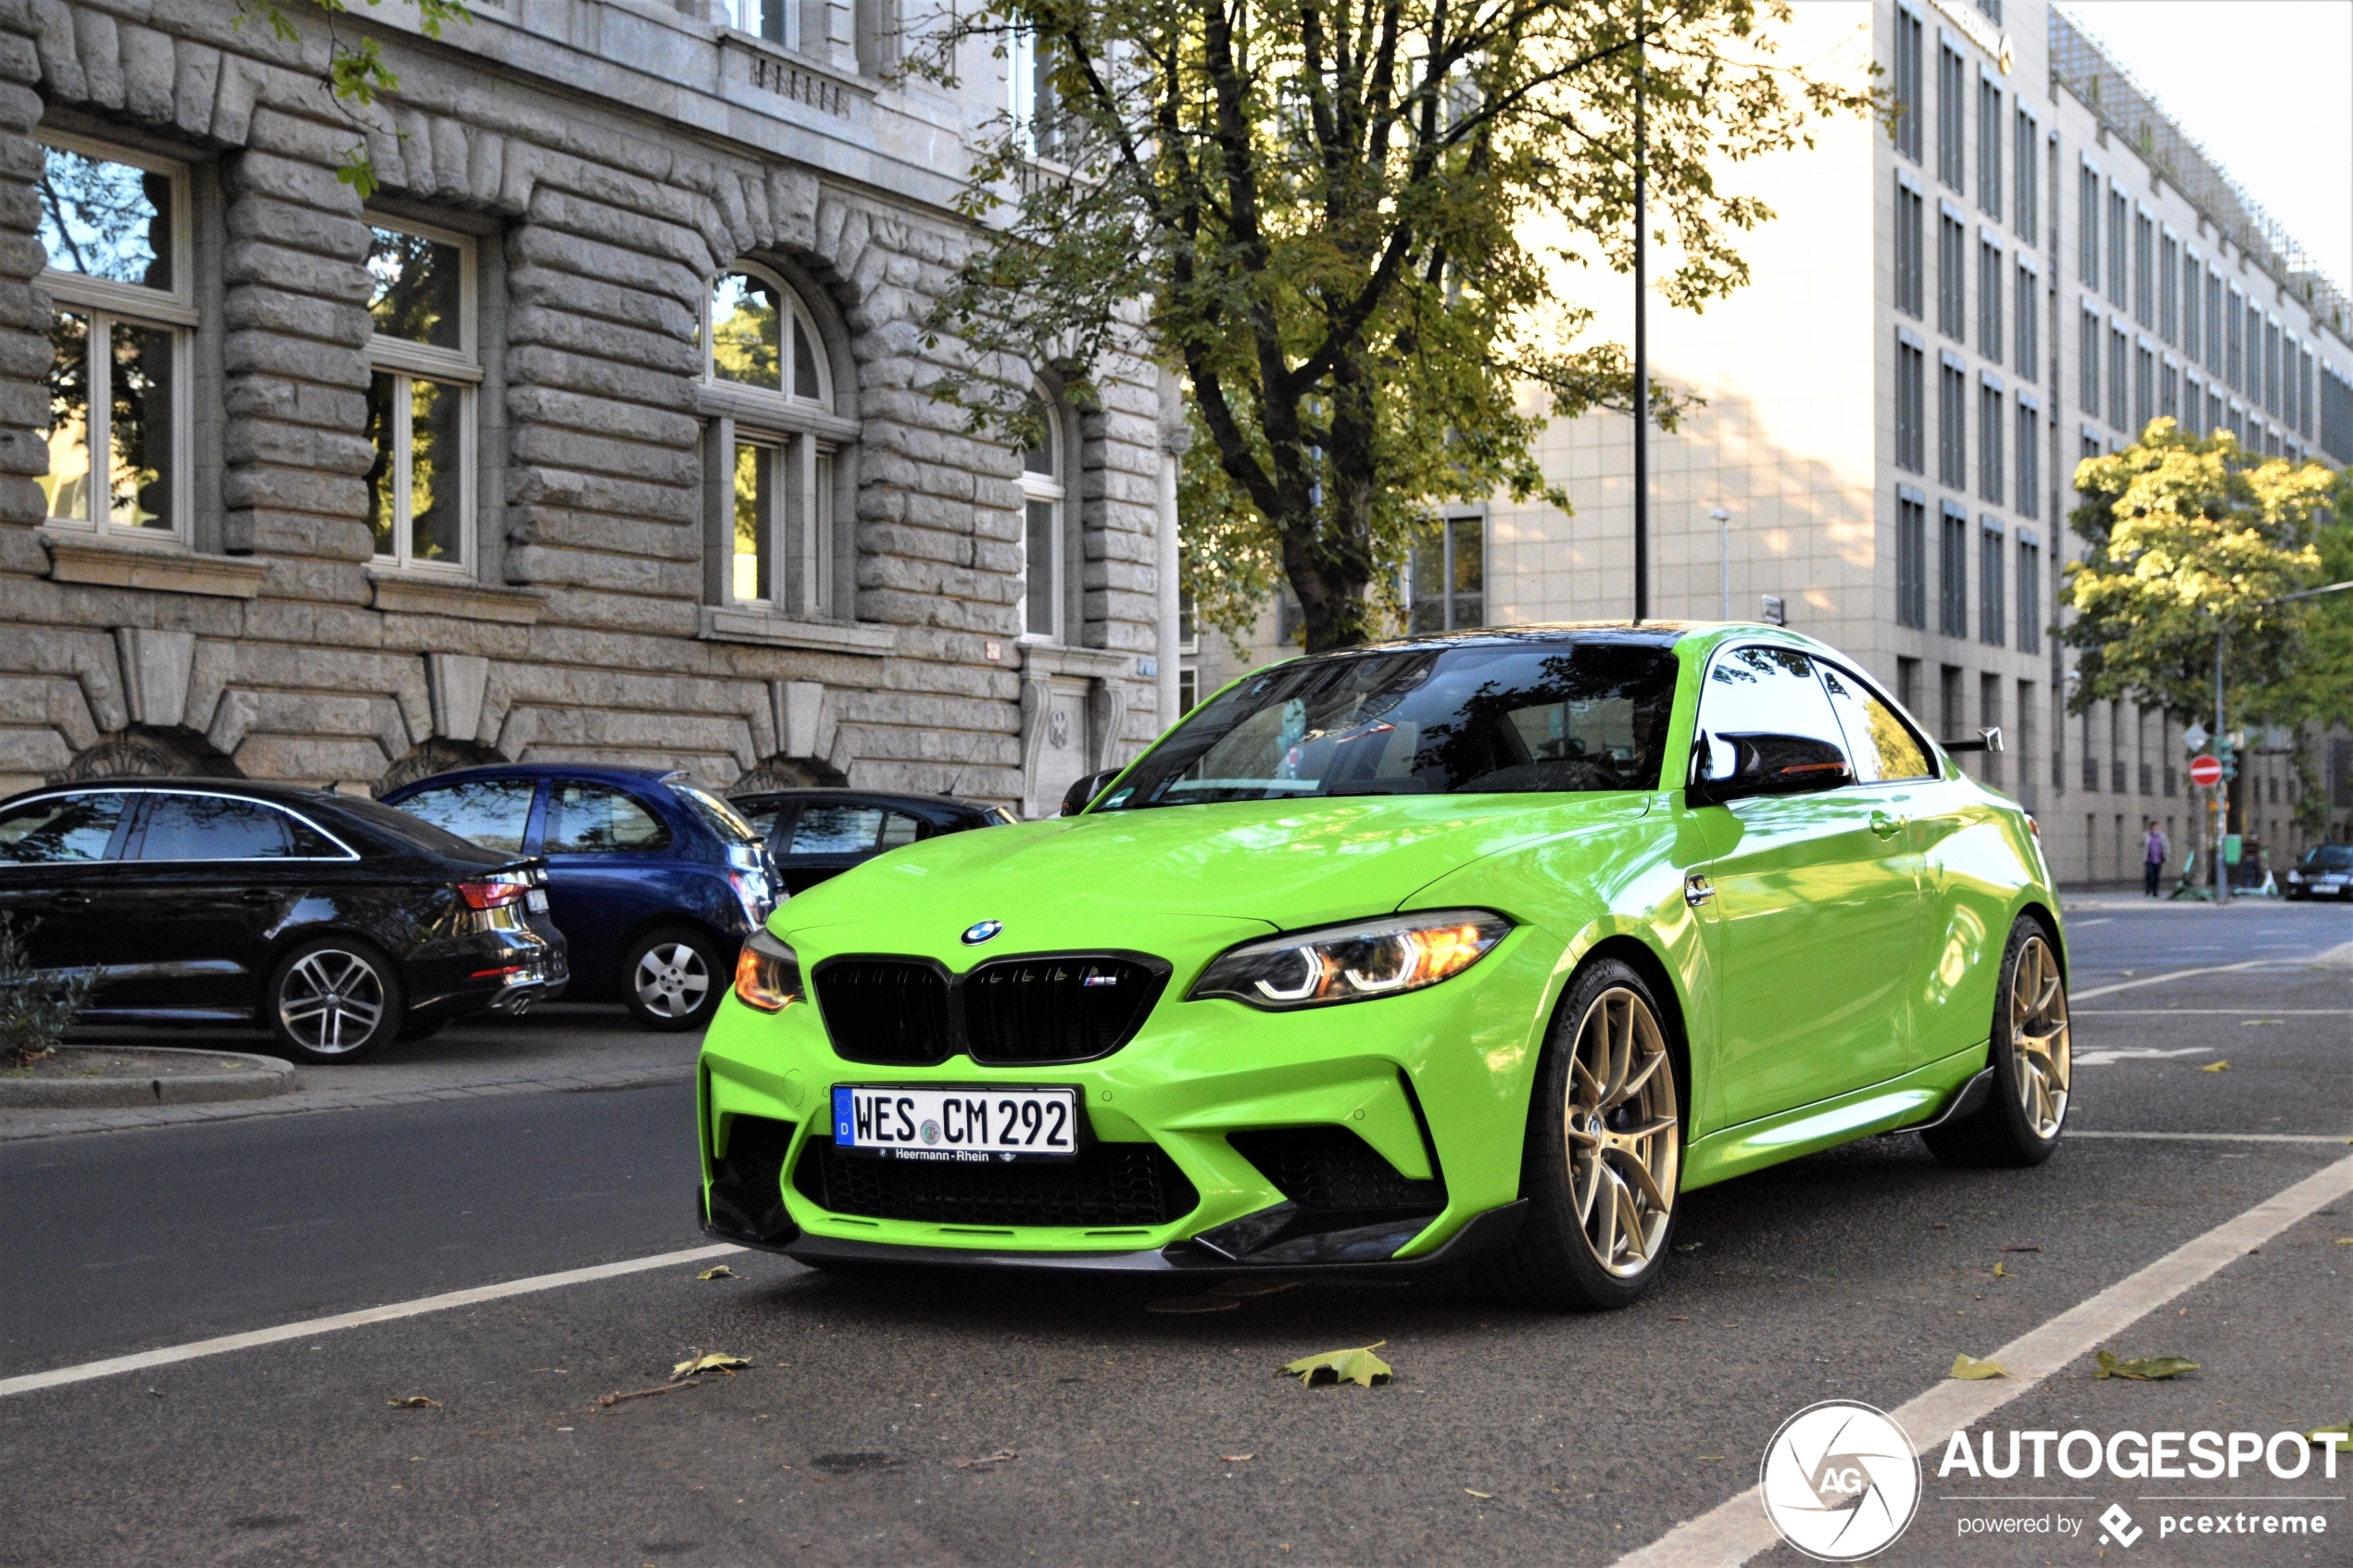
<point x="1054" y="487"/>
<point x="173" y="311"/>
<point x="461" y="368"/>
<point x="812" y="508"/>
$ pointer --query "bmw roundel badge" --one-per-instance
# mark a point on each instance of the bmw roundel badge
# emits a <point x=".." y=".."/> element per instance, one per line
<point x="981" y="931"/>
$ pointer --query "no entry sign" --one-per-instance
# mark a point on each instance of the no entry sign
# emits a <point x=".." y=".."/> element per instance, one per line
<point x="2205" y="771"/>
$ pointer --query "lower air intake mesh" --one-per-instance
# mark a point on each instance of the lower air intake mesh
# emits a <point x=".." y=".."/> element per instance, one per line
<point x="1107" y="1184"/>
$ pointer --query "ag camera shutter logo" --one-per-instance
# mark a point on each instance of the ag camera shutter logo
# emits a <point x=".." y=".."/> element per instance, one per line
<point x="1840" y="1481"/>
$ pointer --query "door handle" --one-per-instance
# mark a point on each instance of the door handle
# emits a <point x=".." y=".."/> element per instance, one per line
<point x="70" y="901"/>
<point x="256" y="896"/>
<point x="1885" y="825"/>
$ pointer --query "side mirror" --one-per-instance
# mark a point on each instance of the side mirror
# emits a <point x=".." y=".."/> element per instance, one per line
<point x="1084" y="790"/>
<point x="1734" y="767"/>
<point x="1987" y="740"/>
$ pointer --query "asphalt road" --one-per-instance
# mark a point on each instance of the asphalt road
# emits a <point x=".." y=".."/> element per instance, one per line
<point x="1507" y="1437"/>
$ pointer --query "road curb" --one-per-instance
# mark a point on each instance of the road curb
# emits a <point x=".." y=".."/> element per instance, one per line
<point x="255" y="1077"/>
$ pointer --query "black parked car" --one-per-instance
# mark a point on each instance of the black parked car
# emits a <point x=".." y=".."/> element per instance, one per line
<point x="815" y="833"/>
<point x="333" y="921"/>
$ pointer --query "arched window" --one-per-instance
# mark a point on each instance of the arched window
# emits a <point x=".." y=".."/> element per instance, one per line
<point x="777" y="444"/>
<point x="1045" y="495"/>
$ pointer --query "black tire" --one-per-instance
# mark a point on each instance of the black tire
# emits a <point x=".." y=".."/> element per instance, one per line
<point x="1557" y="1261"/>
<point x="333" y="999"/>
<point x="2020" y="1122"/>
<point x="673" y="978"/>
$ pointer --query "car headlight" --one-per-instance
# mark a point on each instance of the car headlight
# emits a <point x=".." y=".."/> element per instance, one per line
<point x="1352" y="963"/>
<point x="767" y="974"/>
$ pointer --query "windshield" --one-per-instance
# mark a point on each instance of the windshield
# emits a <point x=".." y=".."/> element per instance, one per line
<point x="1504" y="719"/>
<point x="2329" y="858"/>
<point x="717" y="815"/>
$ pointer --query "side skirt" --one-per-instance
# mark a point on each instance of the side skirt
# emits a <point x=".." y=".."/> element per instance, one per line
<point x="1898" y="1105"/>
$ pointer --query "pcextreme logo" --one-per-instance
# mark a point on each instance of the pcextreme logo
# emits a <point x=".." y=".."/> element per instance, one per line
<point x="1840" y="1481"/>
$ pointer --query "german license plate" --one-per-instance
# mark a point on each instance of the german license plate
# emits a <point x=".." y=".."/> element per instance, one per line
<point x="535" y="900"/>
<point x="972" y="1124"/>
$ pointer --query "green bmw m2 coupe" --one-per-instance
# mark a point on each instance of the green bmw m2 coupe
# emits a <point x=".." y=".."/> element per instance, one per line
<point x="1480" y="950"/>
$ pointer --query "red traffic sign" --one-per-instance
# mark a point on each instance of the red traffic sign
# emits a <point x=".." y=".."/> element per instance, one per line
<point x="2205" y="771"/>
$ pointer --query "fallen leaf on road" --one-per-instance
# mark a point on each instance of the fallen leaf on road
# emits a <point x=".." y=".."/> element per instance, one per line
<point x="999" y="1456"/>
<point x="1235" y="1459"/>
<point x="2338" y="1437"/>
<point x="1968" y="1369"/>
<point x="2143" y="1369"/>
<point x="722" y="1272"/>
<point x="1359" y="1366"/>
<point x="1712" y="1456"/>
<point x="2257" y="1023"/>
<point x="2001" y="1272"/>
<point x="2216" y="1067"/>
<point x="717" y="1361"/>
<point x="1488" y="1494"/>
<point x="2022" y="1250"/>
<point x="414" y="1402"/>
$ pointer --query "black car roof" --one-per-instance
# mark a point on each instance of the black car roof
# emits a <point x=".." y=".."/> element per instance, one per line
<point x="1650" y="633"/>
<point x="928" y="806"/>
<point x="414" y="832"/>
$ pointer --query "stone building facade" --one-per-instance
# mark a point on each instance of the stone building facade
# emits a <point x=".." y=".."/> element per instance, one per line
<point x="600" y="431"/>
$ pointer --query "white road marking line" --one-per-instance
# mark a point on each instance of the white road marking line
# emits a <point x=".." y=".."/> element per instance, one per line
<point x="2101" y="1058"/>
<point x="365" y="1316"/>
<point x="2224" y="1137"/>
<point x="1735" y="1531"/>
<point x="2199" y="1012"/>
<point x="2160" y="979"/>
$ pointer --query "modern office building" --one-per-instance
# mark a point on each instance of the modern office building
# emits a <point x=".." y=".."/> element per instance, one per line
<point x="599" y="431"/>
<point x="1939" y="324"/>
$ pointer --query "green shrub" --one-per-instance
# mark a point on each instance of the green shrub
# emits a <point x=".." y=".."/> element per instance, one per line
<point x="35" y="1008"/>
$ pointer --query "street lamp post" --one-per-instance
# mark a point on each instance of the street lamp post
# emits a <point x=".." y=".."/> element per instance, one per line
<point x="1723" y="520"/>
<point x="1641" y="345"/>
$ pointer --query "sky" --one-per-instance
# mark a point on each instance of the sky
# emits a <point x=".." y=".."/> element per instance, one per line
<point x="2263" y="85"/>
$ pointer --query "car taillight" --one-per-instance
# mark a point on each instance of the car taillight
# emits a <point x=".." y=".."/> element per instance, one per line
<point x="490" y="894"/>
<point x="767" y="974"/>
<point x="2032" y="826"/>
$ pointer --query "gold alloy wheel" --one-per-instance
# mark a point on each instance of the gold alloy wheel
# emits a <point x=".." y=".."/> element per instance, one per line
<point x="2038" y="1038"/>
<point x="1621" y="1122"/>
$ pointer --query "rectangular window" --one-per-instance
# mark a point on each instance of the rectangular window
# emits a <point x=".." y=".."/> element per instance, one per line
<point x="2087" y="227"/>
<point x="114" y="231"/>
<point x="2192" y="406"/>
<point x="420" y="399"/>
<point x="1990" y="443"/>
<point x="1952" y="278"/>
<point x="2143" y="269"/>
<point x="2118" y="216"/>
<point x="1910" y="102"/>
<point x="1910" y="291"/>
<point x="2272" y="368"/>
<point x="1446" y="574"/>
<point x="1989" y="302"/>
<point x="2288" y="409"/>
<point x="2029" y="459"/>
<point x="1951" y="587"/>
<point x="2028" y="194"/>
<point x="1952" y="426"/>
<point x="2253" y="385"/>
<point x="2143" y="390"/>
<point x="2234" y="350"/>
<point x="1911" y="558"/>
<point x="1949" y="718"/>
<point x="2213" y="324"/>
<point x="2169" y="392"/>
<point x="1989" y="717"/>
<point x="2087" y="361"/>
<point x="1989" y="149"/>
<point x="2027" y="348"/>
<point x="1952" y="114"/>
<point x="2213" y="413"/>
<point x="2030" y="596"/>
<point x="2115" y="386"/>
<point x="1911" y="408"/>
<point x="2168" y="271"/>
<point x="1992" y="624"/>
<point x="2303" y="392"/>
<point x="1908" y="683"/>
<point x="2193" y="308"/>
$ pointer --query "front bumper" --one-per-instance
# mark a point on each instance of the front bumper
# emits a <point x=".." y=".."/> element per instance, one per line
<point x="1431" y="1086"/>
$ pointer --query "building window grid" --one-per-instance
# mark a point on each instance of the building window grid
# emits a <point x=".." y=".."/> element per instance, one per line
<point x="1911" y="561"/>
<point x="2029" y="459"/>
<point x="2168" y="273"/>
<point x="2143" y="269"/>
<point x="120" y="392"/>
<point x="2024" y="322"/>
<point x="1952" y="114"/>
<point x="2271" y="369"/>
<point x="1911" y="408"/>
<point x="1446" y="574"/>
<point x="1910" y="286"/>
<point x="1045" y="495"/>
<point x="2214" y="333"/>
<point x="779" y="473"/>
<point x="2088" y="362"/>
<point x="2116" y="386"/>
<point x="1991" y="623"/>
<point x="2304" y="393"/>
<point x="2193" y="315"/>
<point x="1952" y="426"/>
<point x="2030" y="600"/>
<point x="1952" y="278"/>
<point x="2118" y="210"/>
<point x="2288" y="409"/>
<point x="1908" y="97"/>
<point x="1989" y="444"/>
<point x="2233" y="340"/>
<point x="2026" y="198"/>
<point x="2144" y="389"/>
<point x="1951" y="587"/>
<point x="2169" y="392"/>
<point x="2087" y="227"/>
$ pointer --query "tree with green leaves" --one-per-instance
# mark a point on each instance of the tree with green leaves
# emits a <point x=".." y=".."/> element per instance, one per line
<point x="1346" y="223"/>
<point x="2191" y="537"/>
<point x="357" y="74"/>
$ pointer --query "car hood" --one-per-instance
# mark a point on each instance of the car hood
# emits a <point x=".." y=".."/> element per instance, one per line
<point x="1103" y="879"/>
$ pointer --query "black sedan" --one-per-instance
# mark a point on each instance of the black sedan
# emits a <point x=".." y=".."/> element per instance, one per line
<point x="815" y="833"/>
<point x="334" y="922"/>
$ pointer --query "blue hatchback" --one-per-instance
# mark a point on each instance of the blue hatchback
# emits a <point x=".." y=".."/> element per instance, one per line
<point x="654" y="881"/>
